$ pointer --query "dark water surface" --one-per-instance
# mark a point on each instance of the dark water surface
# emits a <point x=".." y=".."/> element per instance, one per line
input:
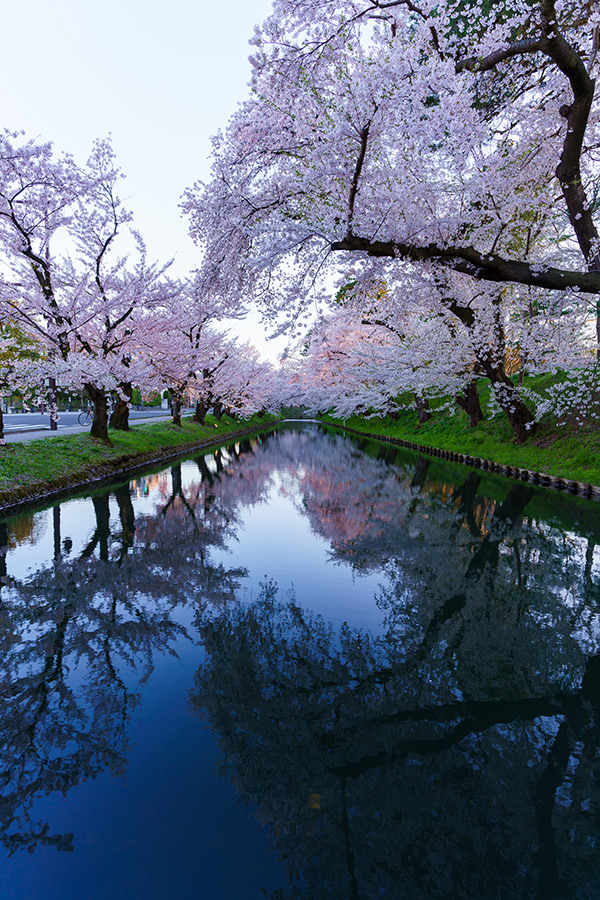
<point x="302" y="667"/>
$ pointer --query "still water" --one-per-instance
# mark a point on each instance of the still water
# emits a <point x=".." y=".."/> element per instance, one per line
<point x="302" y="666"/>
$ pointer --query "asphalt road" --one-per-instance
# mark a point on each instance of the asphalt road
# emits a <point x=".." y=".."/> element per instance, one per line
<point x="29" y="426"/>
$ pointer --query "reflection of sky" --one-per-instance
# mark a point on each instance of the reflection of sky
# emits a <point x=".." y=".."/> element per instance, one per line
<point x="168" y="827"/>
<point x="276" y="541"/>
<point x="77" y="524"/>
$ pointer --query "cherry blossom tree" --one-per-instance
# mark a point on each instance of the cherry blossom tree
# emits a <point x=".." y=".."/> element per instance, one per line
<point x="246" y="384"/>
<point x="372" y="350"/>
<point x="75" y="270"/>
<point x="182" y="348"/>
<point x="458" y="137"/>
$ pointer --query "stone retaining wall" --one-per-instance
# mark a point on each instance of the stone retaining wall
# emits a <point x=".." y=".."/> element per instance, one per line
<point x="583" y="489"/>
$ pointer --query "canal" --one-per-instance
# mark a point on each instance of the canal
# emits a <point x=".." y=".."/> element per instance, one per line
<point x="303" y="667"/>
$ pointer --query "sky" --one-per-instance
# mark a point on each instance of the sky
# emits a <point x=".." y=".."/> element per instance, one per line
<point x="159" y="78"/>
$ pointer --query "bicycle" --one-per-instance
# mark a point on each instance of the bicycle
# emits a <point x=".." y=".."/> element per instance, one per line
<point x="85" y="417"/>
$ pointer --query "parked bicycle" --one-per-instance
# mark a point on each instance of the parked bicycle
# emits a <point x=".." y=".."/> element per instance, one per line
<point x="85" y="417"/>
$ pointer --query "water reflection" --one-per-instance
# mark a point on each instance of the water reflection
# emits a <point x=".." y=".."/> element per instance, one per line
<point x="72" y="634"/>
<point x="453" y="751"/>
<point x="382" y="779"/>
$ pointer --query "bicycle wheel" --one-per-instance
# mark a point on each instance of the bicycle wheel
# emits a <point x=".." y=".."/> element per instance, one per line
<point x="85" y="417"/>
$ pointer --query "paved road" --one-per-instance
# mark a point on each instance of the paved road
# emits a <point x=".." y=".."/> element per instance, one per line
<point x="29" y="426"/>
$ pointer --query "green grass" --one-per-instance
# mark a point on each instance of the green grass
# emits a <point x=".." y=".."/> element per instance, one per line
<point x="31" y="468"/>
<point x="570" y="451"/>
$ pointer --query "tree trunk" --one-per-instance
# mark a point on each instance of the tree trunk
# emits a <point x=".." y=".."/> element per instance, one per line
<point x="519" y="416"/>
<point x="423" y="410"/>
<point x="119" y="418"/>
<point x="101" y="535"/>
<point x="511" y="510"/>
<point x="421" y="469"/>
<point x="99" y="427"/>
<point x="202" y="407"/>
<point x="205" y="473"/>
<point x="127" y="516"/>
<point x="102" y="510"/>
<point x="2" y="441"/>
<point x="521" y="419"/>
<point x="53" y="403"/>
<point x="218" y="410"/>
<point x="3" y="551"/>
<point x="56" y="531"/>
<point x="467" y="493"/>
<point x="469" y="401"/>
<point x="508" y="396"/>
<point x="175" y="409"/>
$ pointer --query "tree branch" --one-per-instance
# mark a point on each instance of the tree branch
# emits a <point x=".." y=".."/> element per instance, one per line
<point x="484" y="267"/>
<point x="577" y="115"/>
<point x="556" y="48"/>
<point x="364" y="137"/>
<point x="484" y="64"/>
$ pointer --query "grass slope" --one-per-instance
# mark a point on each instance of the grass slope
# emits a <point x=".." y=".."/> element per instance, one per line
<point x="32" y="468"/>
<point x="570" y="451"/>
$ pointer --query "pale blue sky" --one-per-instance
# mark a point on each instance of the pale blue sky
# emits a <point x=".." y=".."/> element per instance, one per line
<point x="161" y="78"/>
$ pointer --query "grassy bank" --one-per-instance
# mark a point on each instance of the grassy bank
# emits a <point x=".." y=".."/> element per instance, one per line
<point x="571" y="452"/>
<point x="31" y="469"/>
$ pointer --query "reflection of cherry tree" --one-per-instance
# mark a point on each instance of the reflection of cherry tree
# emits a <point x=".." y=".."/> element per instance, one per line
<point x="451" y="554"/>
<point x="80" y="629"/>
<point x="483" y="685"/>
<point x="449" y="550"/>
<point x="379" y="778"/>
<point x="79" y="638"/>
<point x="199" y="517"/>
<point x="473" y="722"/>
